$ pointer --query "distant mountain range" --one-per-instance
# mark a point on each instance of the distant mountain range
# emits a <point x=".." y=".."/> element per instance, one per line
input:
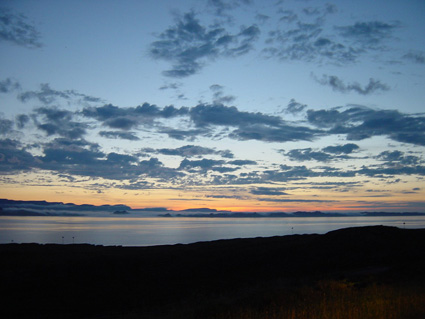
<point x="43" y="208"/>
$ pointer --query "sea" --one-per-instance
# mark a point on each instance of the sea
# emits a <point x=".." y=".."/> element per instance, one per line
<point x="151" y="231"/>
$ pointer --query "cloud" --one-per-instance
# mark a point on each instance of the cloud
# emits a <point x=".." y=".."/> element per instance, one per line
<point x="269" y="191"/>
<point x="242" y="162"/>
<point x="79" y="157"/>
<point x="329" y="153"/>
<point x="361" y="122"/>
<point x="9" y="85"/>
<point x="338" y="85"/>
<point x="218" y="95"/>
<point x="14" y="159"/>
<point x="55" y="121"/>
<point x="221" y="7"/>
<point x="190" y="151"/>
<point x="416" y="57"/>
<point x="16" y="29"/>
<point x="294" y="200"/>
<point x="189" y="134"/>
<point x="397" y="157"/>
<point x="341" y="149"/>
<point x="6" y="126"/>
<point x="309" y="38"/>
<point x="188" y="45"/>
<point x="306" y="41"/>
<point x="119" y="135"/>
<point x="203" y="165"/>
<point x="278" y="133"/>
<point x="47" y="95"/>
<point x="131" y="117"/>
<point x="294" y="107"/>
<point x="21" y="120"/>
<point x="307" y="154"/>
<point x="218" y="114"/>
<point x="368" y="34"/>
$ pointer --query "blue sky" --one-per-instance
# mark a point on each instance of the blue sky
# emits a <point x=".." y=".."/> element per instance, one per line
<point x="240" y="104"/>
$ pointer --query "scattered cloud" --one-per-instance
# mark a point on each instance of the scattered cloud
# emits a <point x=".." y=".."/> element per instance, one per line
<point x="221" y="7"/>
<point x="47" y="95"/>
<point x="416" y="57"/>
<point x="359" y="123"/>
<point x="119" y="135"/>
<point x="55" y="121"/>
<point x="295" y="107"/>
<point x="307" y="154"/>
<point x="218" y="95"/>
<point x="9" y="85"/>
<point x="269" y="191"/>
<point x="341" y="149"/>
<point x="16" y="28"/>
<point x="188" y="45"/>
<point x="189" y="151"/>
<point x="338" y="85"/>
<point x="369" y="34"/>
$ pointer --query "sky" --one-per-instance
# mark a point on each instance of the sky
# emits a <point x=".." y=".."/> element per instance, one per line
<point x="240" y="105"/>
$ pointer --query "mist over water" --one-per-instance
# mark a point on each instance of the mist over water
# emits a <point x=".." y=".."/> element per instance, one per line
<point x="148" y="231"/>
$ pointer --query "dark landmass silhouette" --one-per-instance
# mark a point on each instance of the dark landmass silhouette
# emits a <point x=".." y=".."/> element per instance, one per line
<point x="43" y="208"/>
<point x="209" y="279"/>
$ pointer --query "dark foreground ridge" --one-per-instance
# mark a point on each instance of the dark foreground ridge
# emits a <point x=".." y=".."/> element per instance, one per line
<point x="206" y="279"/>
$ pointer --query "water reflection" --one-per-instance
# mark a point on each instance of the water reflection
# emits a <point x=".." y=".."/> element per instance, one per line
<point x="146" y="231"/>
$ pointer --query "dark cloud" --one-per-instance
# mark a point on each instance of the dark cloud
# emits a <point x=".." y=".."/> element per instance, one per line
<point x="392" y="171"/>
<point x="287" y="16"/>
<point x="47" y="95"/>
<point x="307" y="42"/>
<point x="6" y="126"/>
<point x="308" y="37"/>
<point x="329" y="153"/>
<point x="55" y="121"/>
<point x="204" y="117"/>
<point x="173" y="86"/>
<point x="16" y="28"/>
<point x="21" y="120"/>
<point x="221" y="7"/>
<point x="78" y="157"/>
<point x="131" y="117"/>
<point x="242" y="162"/>
<point x="269" y="191"/>
<point x="416" y="57"/>
<point x="119" y="135"/>
<point x="218" y="95"/>
<point x="218" y="114"/>
<point x="294" y="200"/>
<point x="368" y="34"/>
<point x="307" y="154"/>
<point x="188" y="45"/>
<point x="341" y="149"/>
<point x="204" y="165"/>
<point x="398" y="157"/>
<point x="338" y="85"/>
<point x="13" y="158"/>
<point x="9" y="85"/>
<point x="362" y="122"/>
<point x="189" y="134"/>
<point x="295" y="107"/>
<point x="279" y="133"/>
<point x="190" y="151"/>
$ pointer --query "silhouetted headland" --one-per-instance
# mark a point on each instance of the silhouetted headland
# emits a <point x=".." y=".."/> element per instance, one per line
<point x="205" y="279"/>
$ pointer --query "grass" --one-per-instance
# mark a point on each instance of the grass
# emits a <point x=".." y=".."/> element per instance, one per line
<point x="338" y="300"/>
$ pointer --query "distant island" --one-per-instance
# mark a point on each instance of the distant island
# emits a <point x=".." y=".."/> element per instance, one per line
<point x="43" y="208"/>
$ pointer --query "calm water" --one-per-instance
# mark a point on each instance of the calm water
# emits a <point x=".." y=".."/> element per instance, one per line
<point x="145" y="231"/>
